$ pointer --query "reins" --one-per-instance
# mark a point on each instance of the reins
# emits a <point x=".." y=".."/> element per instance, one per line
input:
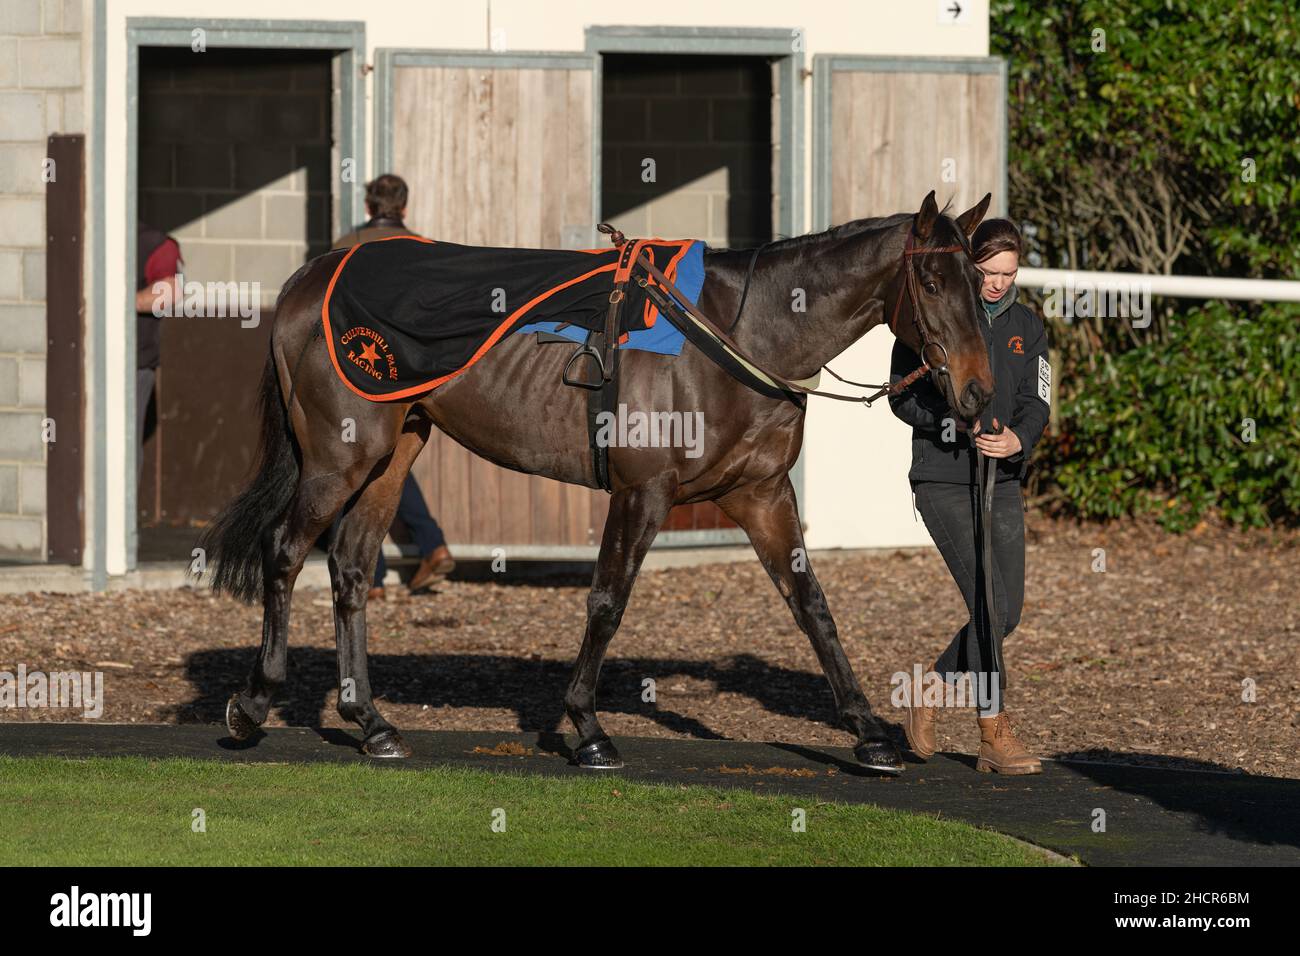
<point x="672" y="302"/>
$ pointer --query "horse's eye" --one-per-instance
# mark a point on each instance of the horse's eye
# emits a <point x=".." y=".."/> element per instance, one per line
<point x="931" y="288"/>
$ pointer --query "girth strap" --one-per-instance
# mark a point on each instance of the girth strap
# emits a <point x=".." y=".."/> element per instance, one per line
<point x="602" y="399"/>
<point x="588" y="370"/>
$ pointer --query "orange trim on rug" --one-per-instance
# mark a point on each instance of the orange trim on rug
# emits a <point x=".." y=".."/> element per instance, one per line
<point x="491" y="340"/>
<point x="325" y="306"/>
<point x="499" y="331"/>
<point x="651" y="313"/>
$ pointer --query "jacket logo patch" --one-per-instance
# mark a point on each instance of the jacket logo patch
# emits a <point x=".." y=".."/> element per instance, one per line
<point x="1044" y="380"/>
<point x="1016" y="344"/>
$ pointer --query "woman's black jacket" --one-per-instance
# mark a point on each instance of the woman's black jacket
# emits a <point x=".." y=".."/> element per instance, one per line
<point x="1022" y="373"/>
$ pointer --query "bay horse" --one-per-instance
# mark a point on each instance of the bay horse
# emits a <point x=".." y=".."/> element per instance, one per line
<point x="512" y="409"/>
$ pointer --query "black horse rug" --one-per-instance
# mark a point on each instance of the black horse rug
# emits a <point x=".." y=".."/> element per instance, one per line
<point x="404" y="315"/>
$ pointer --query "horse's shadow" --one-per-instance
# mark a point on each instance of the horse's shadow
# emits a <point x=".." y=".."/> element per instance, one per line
<point x="1241" y="806"/>
<point x="532" y="689"/>
<point x="1260" y="810"/>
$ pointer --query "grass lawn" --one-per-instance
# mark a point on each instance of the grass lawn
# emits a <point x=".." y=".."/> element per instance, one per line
<point x="129" y="811"/>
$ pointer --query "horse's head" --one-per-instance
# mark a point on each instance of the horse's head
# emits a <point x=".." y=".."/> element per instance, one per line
<point x="935" y="305"/>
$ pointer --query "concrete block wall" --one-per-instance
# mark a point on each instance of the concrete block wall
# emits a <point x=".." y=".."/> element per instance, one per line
<point x="40" y="93"/>
<point x="707" y="124"/>
<point x="234" y="161"/>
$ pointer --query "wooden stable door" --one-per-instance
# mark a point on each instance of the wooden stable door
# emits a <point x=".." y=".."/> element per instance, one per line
<point x="497" y="151"/>
<point x="887" y="131"/>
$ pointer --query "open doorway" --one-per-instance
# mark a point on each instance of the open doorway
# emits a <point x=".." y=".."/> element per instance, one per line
<point x="705" y="122"/>
<point x="234" y="162"/>
<point x="687" y="152"/>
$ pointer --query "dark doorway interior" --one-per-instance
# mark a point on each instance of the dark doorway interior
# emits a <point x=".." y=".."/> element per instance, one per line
<point x="235" y="154"/>
<point x="706" y="123"/>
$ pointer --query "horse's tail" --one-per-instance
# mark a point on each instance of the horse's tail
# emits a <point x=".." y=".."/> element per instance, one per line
<point x="234" y="542"/>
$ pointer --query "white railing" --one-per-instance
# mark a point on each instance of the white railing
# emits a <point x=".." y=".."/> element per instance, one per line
<point x="1190" y="287"/>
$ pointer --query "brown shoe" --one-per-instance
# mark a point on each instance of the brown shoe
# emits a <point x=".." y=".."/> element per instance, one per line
<point x="435" y="565"/>
<point x="1001" y="751"/>
<point x="376" y="594"/>
<point x="919" y="722"/>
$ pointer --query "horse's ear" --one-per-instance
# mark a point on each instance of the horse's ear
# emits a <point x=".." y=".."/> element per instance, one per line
<point x="923" y="224"/>
<point x="974" y="215"/>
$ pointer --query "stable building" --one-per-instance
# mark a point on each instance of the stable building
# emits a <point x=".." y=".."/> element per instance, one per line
<point x="515" y="123"/>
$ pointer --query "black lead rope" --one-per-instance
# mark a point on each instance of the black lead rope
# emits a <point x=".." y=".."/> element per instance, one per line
<point x="986" y="480"/>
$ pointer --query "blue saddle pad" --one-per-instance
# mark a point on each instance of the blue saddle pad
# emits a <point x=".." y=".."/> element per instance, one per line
<point x="662" y="337"/>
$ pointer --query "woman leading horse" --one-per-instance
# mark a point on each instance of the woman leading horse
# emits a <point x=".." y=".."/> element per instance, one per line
<point x="945" y="460"/>
<point x="511" y="407"/>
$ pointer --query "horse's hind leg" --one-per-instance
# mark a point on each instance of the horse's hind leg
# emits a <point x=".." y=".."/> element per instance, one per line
<point x="285" y="546"/>
<point x="770" y="516"/>
<point x="635" y="516"/>
<point x="352" y="564"/>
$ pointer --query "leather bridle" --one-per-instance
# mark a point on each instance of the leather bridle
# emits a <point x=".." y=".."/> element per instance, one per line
<point x="928" y="345"/>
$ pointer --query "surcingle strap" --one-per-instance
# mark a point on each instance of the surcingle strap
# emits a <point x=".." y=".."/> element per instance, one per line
<point x="602" y="399"/>
<point x="627" y="256"/>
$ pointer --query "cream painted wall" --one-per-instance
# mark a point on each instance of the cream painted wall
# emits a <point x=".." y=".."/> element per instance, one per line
<point x="855" y="490"/>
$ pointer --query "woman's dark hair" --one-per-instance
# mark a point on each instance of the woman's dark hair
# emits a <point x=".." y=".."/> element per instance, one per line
<point x="994" y="236"/>
<point x="386" y="196"/>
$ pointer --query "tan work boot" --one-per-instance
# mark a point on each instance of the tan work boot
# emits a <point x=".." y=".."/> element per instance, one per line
<point x="377" y="594"/>
<point x="919" y="723"/>
<point x="1001" y="751"/>
<point x="438" y="563"/>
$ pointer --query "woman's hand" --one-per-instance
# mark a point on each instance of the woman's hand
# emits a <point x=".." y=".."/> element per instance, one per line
<point x="1002" y="445"/>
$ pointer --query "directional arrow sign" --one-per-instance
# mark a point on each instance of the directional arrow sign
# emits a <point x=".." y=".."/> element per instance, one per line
<point x="953" y="12"/>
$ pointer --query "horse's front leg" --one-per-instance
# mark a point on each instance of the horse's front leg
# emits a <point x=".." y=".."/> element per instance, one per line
<point x="635" y="517"/>
<point x="770" y="516"/>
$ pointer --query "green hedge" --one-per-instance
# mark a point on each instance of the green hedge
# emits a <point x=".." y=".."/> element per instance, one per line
<point x="1160" y="429"/>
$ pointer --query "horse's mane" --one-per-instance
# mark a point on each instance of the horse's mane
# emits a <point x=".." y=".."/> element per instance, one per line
<point x="851" y="228"/>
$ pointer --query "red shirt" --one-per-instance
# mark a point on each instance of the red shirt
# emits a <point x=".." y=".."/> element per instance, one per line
<point x="163" y="263"/>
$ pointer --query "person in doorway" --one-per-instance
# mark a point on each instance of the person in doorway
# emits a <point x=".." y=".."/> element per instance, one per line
<point x="386" y="204"/>
<point x="158" y="264"/>
<point x="943" y="478"/>
<point x="386" y="197"/>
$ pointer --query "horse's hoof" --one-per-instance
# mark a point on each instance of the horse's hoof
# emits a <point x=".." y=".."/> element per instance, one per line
<point x="386" y="743"/>
<point x="601" y="755"/>
<point x="879" y="755"/>
<point x="240" y="725"/>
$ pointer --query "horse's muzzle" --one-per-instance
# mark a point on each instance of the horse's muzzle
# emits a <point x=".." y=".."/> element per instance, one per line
<point x="973" y="399"/>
